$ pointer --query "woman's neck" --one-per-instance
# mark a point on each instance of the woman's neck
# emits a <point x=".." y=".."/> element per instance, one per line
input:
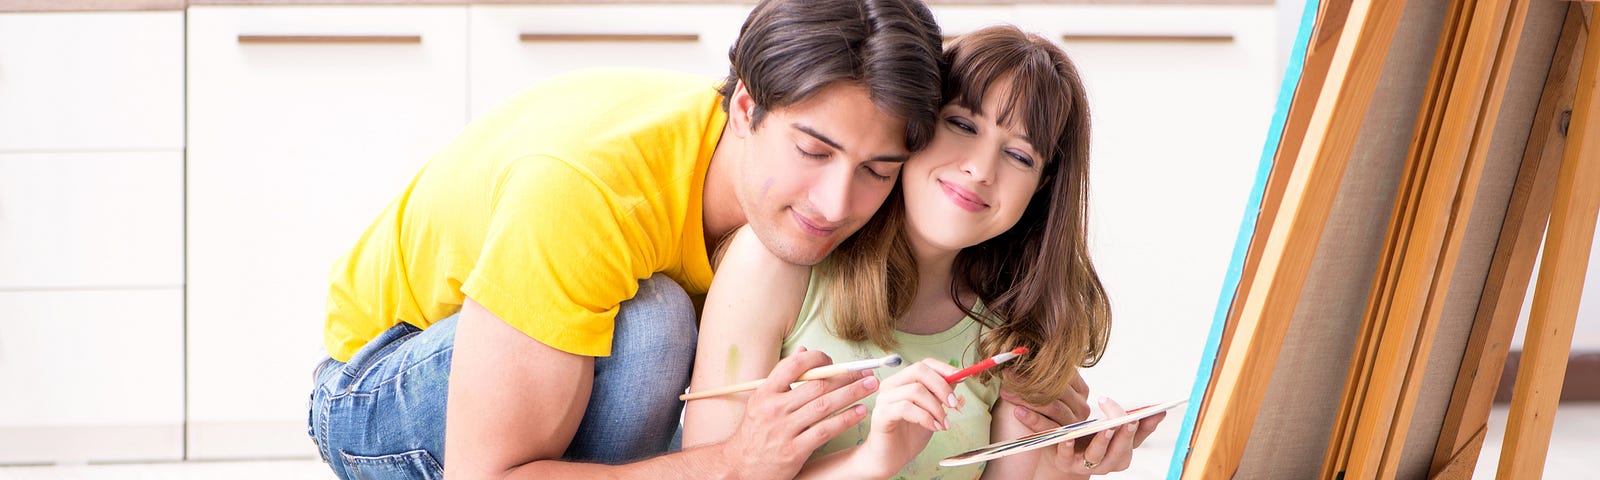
<point x="932" y="310"/>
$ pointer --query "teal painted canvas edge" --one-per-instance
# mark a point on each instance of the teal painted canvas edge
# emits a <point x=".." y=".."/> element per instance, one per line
<point x="1241" y="244"/>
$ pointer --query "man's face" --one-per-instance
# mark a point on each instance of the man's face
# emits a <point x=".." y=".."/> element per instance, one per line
<point x="814" y="171"/>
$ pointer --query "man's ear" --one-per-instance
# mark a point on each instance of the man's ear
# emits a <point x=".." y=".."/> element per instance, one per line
<point x="741" y="108"/>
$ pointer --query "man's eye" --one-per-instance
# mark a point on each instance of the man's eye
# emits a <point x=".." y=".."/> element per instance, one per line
<point x="875" y="175"/>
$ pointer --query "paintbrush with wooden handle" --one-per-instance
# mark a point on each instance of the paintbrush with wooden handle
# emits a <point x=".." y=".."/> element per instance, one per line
<point x="812" y="374"/>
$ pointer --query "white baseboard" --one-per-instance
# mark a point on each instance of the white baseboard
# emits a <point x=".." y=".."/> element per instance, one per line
<point x="84" y="444"/>
<point x="249" y="440"/>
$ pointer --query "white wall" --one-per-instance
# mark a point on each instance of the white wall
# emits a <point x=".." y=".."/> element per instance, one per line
<point x="1586" y="332"/>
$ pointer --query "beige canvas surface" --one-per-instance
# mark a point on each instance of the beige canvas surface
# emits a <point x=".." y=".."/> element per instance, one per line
<point x="1292" y="428"/>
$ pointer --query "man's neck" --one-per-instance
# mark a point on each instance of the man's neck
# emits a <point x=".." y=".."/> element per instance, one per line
<point x="719" y="201"/>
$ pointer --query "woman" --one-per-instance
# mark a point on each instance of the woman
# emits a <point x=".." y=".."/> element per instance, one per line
<point x="981" y="249"/>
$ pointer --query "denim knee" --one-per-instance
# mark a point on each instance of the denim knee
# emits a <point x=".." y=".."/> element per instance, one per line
<point x="382" y="415"/>
<point x="660" y="322"/>
<point x="633" y="406"/>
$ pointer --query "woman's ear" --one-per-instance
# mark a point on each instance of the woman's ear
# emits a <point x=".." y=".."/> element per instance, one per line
<point x="741" y="108"/>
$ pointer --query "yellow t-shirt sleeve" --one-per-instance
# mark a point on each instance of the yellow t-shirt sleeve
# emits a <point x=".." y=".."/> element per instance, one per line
<point x="557" y="260"/>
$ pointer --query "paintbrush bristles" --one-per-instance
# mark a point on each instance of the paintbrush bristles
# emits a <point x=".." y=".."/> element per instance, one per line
<point x="892" y="360"/>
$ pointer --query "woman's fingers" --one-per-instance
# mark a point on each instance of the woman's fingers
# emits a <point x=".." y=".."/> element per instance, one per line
<point x="1063" y="411"/>
<point x="910" y="413"/>
<point x="1095" y="453"/>
<point x="930" y="373"/>
<point x="1147" y="427"/>
<point x="914" y="396"/>
<point x="1032" y="420"/>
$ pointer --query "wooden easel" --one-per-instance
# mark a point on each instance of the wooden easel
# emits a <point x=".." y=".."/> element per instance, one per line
<point x="1558" y="185"/>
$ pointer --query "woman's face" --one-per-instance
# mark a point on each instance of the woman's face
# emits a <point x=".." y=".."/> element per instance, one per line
<point x="974" y="180"/>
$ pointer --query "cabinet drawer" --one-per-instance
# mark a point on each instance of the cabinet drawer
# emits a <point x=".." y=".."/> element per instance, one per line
<point x="514" y="47"/>
<point x="91" y="375"/>
<point x="305" y="122"/>
<point x="91" y="81"/>
<point x="91" y="220"/>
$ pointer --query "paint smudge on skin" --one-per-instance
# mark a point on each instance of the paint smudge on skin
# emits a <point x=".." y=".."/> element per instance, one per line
<point x="733" y="364"/>
<point x="767" y="185"/>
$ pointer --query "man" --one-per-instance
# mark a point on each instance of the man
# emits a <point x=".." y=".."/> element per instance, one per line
<point x="525" y="303"/>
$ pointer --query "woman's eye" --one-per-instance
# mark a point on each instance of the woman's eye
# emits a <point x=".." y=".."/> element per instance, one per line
<point x="807" y="154"/>
<point x="962" y="125"/>
<point x="1021" y="158"/>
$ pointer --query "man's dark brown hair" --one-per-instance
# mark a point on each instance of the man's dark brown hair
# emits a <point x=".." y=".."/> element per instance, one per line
<point x="790" y="49"/>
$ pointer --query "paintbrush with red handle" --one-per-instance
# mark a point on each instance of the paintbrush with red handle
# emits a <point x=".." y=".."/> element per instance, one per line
<point x="985" y="364"/>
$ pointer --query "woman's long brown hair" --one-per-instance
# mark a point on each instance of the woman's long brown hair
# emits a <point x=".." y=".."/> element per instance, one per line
<point x="1036" y="281"/>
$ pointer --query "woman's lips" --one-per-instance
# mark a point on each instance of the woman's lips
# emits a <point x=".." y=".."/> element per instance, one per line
<point x="962" y="197"/>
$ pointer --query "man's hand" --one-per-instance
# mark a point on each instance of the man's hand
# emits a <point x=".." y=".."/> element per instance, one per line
<point x="782" y="426"/>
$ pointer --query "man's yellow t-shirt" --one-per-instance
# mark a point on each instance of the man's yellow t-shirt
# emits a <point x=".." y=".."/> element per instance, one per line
<point x="547" y="211"/>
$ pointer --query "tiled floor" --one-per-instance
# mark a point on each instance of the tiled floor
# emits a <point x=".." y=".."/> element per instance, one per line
<point x="1574" y="454"/>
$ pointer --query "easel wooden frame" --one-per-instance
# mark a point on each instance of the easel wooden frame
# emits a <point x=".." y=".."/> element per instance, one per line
<point x="1457" y="119"/>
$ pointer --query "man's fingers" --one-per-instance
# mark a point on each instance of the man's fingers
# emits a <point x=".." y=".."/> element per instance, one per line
<point x="800" y="395"/>
<point x="819" y="433"/>
<point x="814" y="410"/>
<point x="790" y="369"/>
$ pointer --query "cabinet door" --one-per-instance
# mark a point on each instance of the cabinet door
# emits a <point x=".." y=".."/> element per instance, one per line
<point x="1180" y="98"/>
<point x="955" y="20"/>
<point x="91" y="220"/>
<point x="514" y="47"/>
<point x="304" y="122"/>
<point x="91" y="81"/>
<point x="91" y="375"/>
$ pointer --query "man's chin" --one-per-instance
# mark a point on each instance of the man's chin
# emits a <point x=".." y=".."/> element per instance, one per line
<point x="808" y="252"/>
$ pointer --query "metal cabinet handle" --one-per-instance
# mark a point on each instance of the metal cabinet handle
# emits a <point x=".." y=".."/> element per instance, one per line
<point x="328" y="38"/>
<point x="1149" y="37"/>
<point x="531" y="37"/>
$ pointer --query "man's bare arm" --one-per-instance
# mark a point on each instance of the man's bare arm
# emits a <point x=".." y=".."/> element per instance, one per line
<point x="515" y="404"/>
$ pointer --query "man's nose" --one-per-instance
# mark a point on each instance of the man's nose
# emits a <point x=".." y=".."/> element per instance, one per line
<point x="831" y="195"/>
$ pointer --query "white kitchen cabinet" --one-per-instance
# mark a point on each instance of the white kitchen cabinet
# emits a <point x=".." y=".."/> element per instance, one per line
<point x="91" y="375"/>
<point x="955" y="20"/>
<point x="304" y="123"/>
<point x="514" y="47"/>
<point x="91" y="81"/>
<point x="91" y="236"/>
<point x="91" y="220"/>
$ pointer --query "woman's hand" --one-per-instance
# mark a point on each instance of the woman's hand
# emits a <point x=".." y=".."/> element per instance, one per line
<point x="910" y="407"/>
<point x="1105" y="452"/>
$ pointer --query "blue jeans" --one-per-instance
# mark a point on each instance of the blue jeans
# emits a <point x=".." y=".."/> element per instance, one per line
<point x="382" y="415"/>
